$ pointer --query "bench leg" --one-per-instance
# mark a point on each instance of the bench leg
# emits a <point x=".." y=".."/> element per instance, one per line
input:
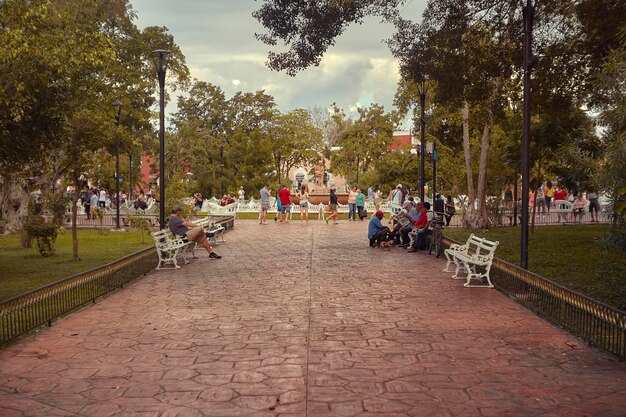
<point x="477" y="275"/>
<point x="459" y="268"/>
<point x="168" y="258"/>
<point x="449" y="261"/>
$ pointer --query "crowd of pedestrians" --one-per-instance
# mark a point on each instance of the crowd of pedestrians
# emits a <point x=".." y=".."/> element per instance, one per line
<point x="98" y="198"/>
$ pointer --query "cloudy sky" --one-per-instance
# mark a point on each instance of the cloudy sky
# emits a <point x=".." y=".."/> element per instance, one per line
<point x="217" y="39"/>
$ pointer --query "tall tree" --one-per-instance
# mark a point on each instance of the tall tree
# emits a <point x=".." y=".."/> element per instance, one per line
<point x="84" y="54"/>
<point x="364" y="141"/>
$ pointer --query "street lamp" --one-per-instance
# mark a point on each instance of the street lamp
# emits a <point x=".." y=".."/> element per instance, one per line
<point x="422" y="87"/>
<point x="221" y="169"/>
<point x="117" y="108"/>
<point x="530" y="61"/>
<point x="444" y="130"/>
<point x="130" y="176"/>
<point x="159" y="58"/>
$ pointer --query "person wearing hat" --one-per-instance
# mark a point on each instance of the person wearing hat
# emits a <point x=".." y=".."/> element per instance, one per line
<point x="412" y="213"/>
<point x="332" y="207"/>
<point x="376" y="232"/>
<point x="422" y="227"/>
<point x="190" y="230"/>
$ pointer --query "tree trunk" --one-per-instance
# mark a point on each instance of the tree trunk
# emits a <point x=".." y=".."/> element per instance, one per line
<point x="483" y="217"/>
<point x="469" y="217"/>
<point x="467" y="153"/>
<point x="75" y="256"/>
<point x="483" y="221"/>
<point x="14" y="198"/>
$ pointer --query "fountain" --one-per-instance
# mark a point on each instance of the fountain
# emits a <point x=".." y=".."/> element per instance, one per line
<point x="321" y="192"/>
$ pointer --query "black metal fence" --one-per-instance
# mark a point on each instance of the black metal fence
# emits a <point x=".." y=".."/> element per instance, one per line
<point x="599" y="324"/>
<point x="24" y="313"/>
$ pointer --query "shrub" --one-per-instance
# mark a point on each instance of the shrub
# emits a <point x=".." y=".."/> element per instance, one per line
<point x="57" y="205"/>
<point x="140" y="223"/>
<point x="44" y="234"/>
<point x="99" y="213"/>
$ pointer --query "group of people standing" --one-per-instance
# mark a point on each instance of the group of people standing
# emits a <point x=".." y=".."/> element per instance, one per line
<point x="283" y="203"/>
<point x="543" y="199"/>
<point x="93" y="198"/>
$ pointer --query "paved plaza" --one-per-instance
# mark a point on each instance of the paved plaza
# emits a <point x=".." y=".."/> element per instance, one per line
<point x="307" y="320"/>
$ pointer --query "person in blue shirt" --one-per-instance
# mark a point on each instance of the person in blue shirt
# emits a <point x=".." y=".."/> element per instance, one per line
<point x="376" y="232"/>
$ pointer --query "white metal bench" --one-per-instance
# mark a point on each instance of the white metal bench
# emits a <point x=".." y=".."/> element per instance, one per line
<point x="476" y="253"/>
<point x="212" y="230"/>
<point x="169" y="248"/>
<point x="562" y="208"/>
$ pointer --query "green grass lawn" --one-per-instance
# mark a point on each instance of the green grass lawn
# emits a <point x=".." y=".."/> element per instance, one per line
<point x="22" y="270"/>
<point x="568" y="255"/>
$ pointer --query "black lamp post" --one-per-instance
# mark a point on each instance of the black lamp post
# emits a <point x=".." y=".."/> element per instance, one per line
<point x="130" y="176"/>
<point x="422" y="90"/>
<point x="444" y="128"/>
<point x="117" y="108"/>
<point x="529" y="62"/>
<point x="222" y="169"/>
<point x="159" y="58"/>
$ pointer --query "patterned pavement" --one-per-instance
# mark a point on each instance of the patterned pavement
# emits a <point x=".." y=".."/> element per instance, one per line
<point x="307" y="320"/>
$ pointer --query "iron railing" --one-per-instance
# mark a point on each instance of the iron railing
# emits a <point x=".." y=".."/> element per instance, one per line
<point x="599" y="324"/>
<point x="24" y="313"/>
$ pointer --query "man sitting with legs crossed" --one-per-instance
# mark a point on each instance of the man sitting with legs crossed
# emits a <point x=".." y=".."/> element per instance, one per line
<point x="190" y="230"/>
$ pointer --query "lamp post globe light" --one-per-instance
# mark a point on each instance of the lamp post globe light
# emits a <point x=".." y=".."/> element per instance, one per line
<point x="160" y="58"/>
<point x="117" y="108"/>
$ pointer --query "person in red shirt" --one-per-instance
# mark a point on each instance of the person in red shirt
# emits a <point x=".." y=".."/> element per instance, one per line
<point x="421" y="225"/>
<point x="560" y="194"/>
<point x="285" y="203"/>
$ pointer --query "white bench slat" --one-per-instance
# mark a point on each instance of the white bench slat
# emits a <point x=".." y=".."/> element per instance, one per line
<point x="476" y="252"/>
<point x="169" y="248"/>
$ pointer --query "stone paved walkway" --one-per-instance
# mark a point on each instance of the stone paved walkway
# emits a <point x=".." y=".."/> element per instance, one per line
<point x="307" y="321"/>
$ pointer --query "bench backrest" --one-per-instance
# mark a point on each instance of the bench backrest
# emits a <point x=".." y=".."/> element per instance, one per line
<point x="161" y="237"/>
<point x="562" y="205"/>
<point x="481" y="246"/>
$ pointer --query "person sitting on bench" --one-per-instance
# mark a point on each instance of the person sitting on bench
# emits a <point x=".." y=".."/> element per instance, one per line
<point x="376" y="232"/>
<point x="422" y="227"/>
<point x="190" y="230"/>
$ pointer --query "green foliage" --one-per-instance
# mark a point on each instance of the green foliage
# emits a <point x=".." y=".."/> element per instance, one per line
<point x="99" y="213"/>
<point x="178" y="192"/>
<point x="44" y="234"/>
<point x="397" y="167"/>
<point x="140" y="223"/>
<point x="575" y="257"/>
<point x="364" y="141"/>
<point x="22" y="270"/>
<point x="614" y="239"/>
<point x="57" y="205"/>
<point x="69" y="59"/>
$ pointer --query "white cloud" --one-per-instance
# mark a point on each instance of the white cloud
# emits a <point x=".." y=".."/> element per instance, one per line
<point x="217" y="38"/>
